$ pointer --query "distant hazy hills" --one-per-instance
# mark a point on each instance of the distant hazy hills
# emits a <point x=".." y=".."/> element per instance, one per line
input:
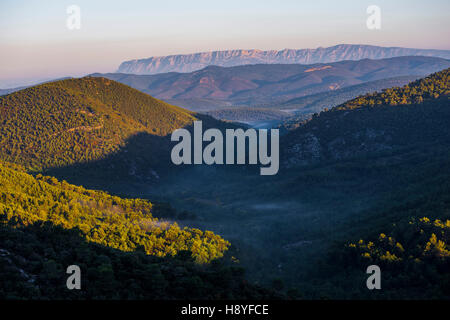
<point x="229" y="58"/>
<point x="11" y="90"/>
<point x="273" y="83"/>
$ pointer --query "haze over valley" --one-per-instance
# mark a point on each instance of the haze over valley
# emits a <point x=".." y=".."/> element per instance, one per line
<point x="145" y="154"/>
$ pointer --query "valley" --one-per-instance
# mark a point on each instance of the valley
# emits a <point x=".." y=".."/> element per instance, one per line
<point x="275" y="84"/>
<point x="345" y="174"/>
<point x="234" y="159"/>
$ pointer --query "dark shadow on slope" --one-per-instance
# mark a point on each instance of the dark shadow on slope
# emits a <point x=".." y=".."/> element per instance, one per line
<point x="144" y="159"/>
<point x="34" y="260"/>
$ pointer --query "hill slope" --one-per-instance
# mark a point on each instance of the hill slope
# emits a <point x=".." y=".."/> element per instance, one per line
<point x="397" y="139"/>
<point x="123" y="224"/>
<point x="197" y="61"/>
<point x="348" y="174"/>
<point x="415" y="114"/>
<point x="79" y="120"/>
<point x="273" y="83"/>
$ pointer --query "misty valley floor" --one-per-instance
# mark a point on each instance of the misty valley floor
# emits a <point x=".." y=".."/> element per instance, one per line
<point x="276" y="235"/>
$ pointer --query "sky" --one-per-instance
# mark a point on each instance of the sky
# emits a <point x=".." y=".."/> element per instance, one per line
<point x="36" y="44"/>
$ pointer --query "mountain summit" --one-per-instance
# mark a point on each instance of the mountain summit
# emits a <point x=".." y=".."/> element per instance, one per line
<point x="229" y="58"/>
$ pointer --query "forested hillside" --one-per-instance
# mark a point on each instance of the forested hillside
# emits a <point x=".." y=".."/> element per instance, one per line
<point x="327" y="100"/>
<point x="265" y="84"/>
<point x="123" y="250"/>
<point x="407" y="235"/>
<point x="124" y="224"/>
<point x="363" y="183"/>
<point x="431" y="87"/>
<point x="80" y="120"/>
<point x="34" y="259"/>
<point x="415" y="114"/>
<point x="396" y="144"/>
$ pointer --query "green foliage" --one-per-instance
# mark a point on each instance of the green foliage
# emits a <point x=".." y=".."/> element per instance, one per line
<point x="79" y="120"/>
<point x="248" y="114"/>
<point x="324" y="101"/>
<point x="124" y="224"/>
<point x="431" y="87"/>
<point x="386" y="163"/>
<point x="414" y="258"/>
<point x="412" y="252"/>
<point x="422" y="239"/>
<point x="34" y="259"/>
<point x="363" y="128"/>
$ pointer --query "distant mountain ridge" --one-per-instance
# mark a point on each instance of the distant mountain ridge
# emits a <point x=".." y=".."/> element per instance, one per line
<point x="229" y="58"/>
<point x="415" y="114"/>
<point x="273" y="83"/>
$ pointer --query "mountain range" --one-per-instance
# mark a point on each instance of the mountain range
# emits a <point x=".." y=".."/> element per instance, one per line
<point x="272" y="83"/>
<point x="229" y="58"/>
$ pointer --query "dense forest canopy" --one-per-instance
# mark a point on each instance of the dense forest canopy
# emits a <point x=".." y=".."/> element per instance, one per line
<point x="391" y="145"/>
<point x="34" y="259"/>
<point x="124" y="224"/>
<point x="79" y="120"/>
<point x="431" y="87"/>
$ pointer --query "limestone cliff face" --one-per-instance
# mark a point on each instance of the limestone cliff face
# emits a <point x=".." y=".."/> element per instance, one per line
<point x="196" y="61"/>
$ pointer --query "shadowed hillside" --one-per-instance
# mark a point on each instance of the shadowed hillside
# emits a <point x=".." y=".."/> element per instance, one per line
<point x="347" y="175"/>
<point x="34" y="259"/>
<point x="79" y="120"/>
<point x="273" y="83"/>
<point x="125" y="224"/>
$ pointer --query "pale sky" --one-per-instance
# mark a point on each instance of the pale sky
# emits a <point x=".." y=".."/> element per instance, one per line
<point x="36" y="45"/>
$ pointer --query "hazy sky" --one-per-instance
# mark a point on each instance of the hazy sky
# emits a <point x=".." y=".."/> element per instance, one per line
<point x="35" y="43"/>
